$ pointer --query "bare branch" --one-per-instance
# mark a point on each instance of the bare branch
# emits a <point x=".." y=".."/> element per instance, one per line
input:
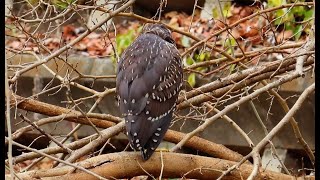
<point x="176" y="165"/>
<point x="56" y="159"/>
<point x="234" y="105"/>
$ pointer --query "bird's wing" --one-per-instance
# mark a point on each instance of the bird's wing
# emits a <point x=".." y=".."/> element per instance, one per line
<point x="148" y="64"/>
<point x="148" y="81"/>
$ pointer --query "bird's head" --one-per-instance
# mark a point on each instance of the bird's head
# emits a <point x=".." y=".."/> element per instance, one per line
<point x="160" y="30"/>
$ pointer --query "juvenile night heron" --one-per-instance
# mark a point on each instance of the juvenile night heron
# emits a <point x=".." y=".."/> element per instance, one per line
<point x="149" y="79"/>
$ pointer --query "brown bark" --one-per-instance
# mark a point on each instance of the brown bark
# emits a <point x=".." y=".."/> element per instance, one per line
<point x="52" y="110"/>
<point x="175" y="165"/>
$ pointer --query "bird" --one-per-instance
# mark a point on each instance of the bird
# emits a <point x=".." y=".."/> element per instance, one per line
<point x="149" y="79"/>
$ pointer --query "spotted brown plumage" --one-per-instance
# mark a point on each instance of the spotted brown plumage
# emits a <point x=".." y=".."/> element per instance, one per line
<point x="149" y="79"/>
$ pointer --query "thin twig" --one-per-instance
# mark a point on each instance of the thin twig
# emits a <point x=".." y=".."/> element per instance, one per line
<point x="46" y="134"/>
<point x="283" y="122"/>
<point x="56" y="159"/>
<point x="274" y="152"/>
<point x="73" y="42"/>
<point x="8" y="121"/>
<point x="234" y="105"/>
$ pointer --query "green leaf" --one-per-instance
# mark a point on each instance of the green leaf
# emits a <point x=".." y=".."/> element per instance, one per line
<point x="297" y="31"/>
<point x="230" y="42"/>
<point x="289" y="26"/>
<point x="308" y="14"/>
<point x="124" y="40"/>
<point x="62" y="4"/>
<point x="278" y="14"/>
<point x="33" y="2"/>
<point x="215" y="13"/>
<point x="288" y="16"/>
<point x="139" y="29"/>
<point x="226" y="9"/>
<point x="189" y="61"/>
<point x="232" y="67"/>
<point x="202" y="57"/>
<point x="192" y="79"/>
<point x="298" y="10"/>
<point x="273" y="3"/>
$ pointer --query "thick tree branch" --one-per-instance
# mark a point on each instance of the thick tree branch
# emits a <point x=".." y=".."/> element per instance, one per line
<point x="130" y="164"/>
<point x="213" y="149"/>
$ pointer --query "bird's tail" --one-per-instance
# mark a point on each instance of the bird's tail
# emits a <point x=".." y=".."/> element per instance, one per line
<point x="146" y="153"/>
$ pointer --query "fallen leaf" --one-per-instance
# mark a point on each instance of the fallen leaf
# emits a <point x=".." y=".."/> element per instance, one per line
<point x="235" y="10"/>
<point x="255" y="39"/>
<point x="246" y="11"/>
<point x="68" y="30"/>
<point x="171" y="14"/>
<point x="200" y="30"/>
<point x="218" y="25"/>
<point x="284" y="35"/>
<point x="80" y="46"/>
<point x="15" y="44"/>
<point x="173" y="21"/>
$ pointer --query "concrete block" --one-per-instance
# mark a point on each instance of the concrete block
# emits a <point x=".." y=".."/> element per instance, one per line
<point x="103" y="66"/>
<point x="270" y="162"/>
<point x="81" y="63"/>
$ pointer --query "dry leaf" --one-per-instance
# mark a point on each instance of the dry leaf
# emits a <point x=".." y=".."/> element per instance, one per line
<point x="284" y="35"/>
<point x="15" y="45"/>
<point x="246" y="11"/>
<point x="171" y="14"/>
<point x="235" y="10"/>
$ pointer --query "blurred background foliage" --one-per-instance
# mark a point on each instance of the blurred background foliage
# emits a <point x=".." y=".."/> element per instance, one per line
<point x="287" y="19"/>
